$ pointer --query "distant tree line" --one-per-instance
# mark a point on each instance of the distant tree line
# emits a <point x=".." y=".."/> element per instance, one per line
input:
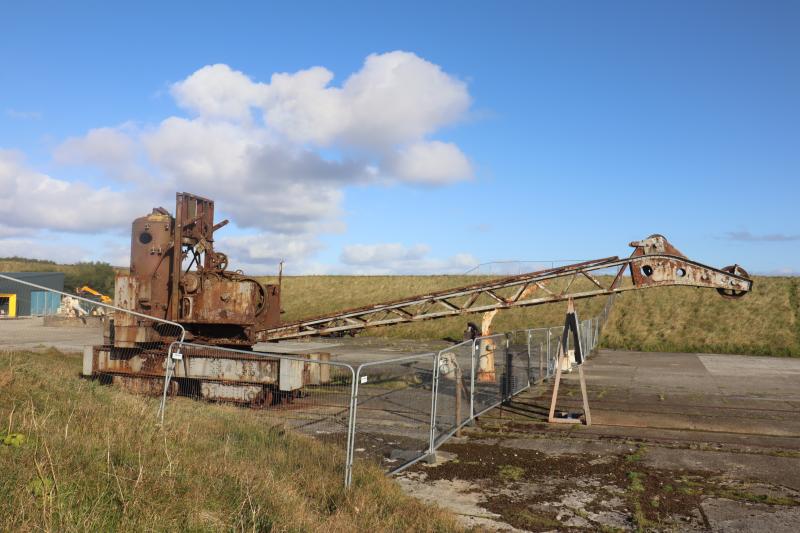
<point x="96" y="274"/>
<point x="18" y="259"/>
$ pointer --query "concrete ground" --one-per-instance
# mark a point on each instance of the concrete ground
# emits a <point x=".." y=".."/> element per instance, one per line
<point x="679" y="442"/>
<point x="355" y="350"/>
<point x="30" y="333"/>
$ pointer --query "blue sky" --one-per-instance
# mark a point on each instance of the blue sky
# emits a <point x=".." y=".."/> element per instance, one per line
<point x="518" y="130"/>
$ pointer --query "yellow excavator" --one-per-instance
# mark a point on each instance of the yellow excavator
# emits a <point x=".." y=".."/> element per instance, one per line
<point x="88" y="292"/>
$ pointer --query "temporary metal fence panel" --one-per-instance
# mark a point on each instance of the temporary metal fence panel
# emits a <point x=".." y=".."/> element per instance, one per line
<point x="488" y="390"/>
<point x="537" y="350"/>
<point x="113" y="339"/>
<point x="392" y="410"/>
<point x="502" y="366"/>
<point x="454" y="385"/>
<point x="589" y="329"/>
<point x="519" y="365"/>
<point x="591" y="340"/>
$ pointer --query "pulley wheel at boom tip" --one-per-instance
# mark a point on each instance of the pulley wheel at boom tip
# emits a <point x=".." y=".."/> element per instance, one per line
<point x="733" y="293"/>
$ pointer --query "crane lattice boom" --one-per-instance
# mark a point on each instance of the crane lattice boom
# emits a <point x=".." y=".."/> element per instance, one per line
<point x="653" y="263"/>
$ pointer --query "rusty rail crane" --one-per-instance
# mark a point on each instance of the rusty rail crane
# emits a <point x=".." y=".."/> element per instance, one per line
<point x="177" y="275"/>
<point x="654" y="263"/>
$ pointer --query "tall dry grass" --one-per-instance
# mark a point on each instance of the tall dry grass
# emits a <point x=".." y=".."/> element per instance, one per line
<point x="676" y="319"/>
<point x="94" y="460"/>
<point x="308" y="296"/>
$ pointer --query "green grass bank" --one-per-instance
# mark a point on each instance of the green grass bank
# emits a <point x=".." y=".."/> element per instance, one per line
<point x="80" y="456"/>
<point x="677" y="319"/>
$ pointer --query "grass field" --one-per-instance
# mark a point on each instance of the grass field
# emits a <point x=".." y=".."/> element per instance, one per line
<point x="674" y="319"/>
<point x="306" y="296"/>
<point x="80" y="456"/>
<point x="678" y="319"/>
<point x="31" y="265"/>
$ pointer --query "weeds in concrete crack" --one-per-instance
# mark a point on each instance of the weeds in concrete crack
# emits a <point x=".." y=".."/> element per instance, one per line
<point x="638" y="455"/>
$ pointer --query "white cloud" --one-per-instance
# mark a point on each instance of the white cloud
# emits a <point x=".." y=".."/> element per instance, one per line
<point x="395" y="98"/>
<point x="303" y="108"/>
<point x="395" y="258"/>
<point x="769" y="237"/>
<point x="265" y="250"/>
<point x="399" y="97"/>
<point x="202" y="152"/>
<point x="218" y="91"/>
<point x="276" y="156"/>
<point x="116" y="252"/>
<point x="10" y="231"/>
<point x="29" y="199"/>
<point x="53" y="249"/>
<point x="266" y="169"/>
<point x="103" y="146"/>
<point x="113" y="150"/>
<point x="430" y="162"/>
<point x="781" y="271"/>
<point x="263" y="183"/>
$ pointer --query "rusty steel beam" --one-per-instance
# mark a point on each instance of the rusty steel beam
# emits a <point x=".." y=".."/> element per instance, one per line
<point x="653" y="263"/>
<point x="216" y="374"/>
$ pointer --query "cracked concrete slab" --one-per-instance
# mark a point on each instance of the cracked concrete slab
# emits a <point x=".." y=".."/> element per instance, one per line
<point x="681" y="442"/>
<point x="726" y="516"/>
<point x="461" y="497"/>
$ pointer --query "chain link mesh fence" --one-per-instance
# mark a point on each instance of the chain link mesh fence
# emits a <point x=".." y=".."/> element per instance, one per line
<point x="454" y="384"/>
<point x="518" y="366"/>
<point x="488" y="389"/>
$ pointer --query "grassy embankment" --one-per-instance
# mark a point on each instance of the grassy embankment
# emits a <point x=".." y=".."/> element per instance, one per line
<point x="673" y="319"/>
<point x="307" y="296"/>
<point x="679" y="319"/>
<point x="92" y="459"/>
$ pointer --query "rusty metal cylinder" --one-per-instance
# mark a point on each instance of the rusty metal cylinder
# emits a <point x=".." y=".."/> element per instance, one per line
<point x="151" y="262"/>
